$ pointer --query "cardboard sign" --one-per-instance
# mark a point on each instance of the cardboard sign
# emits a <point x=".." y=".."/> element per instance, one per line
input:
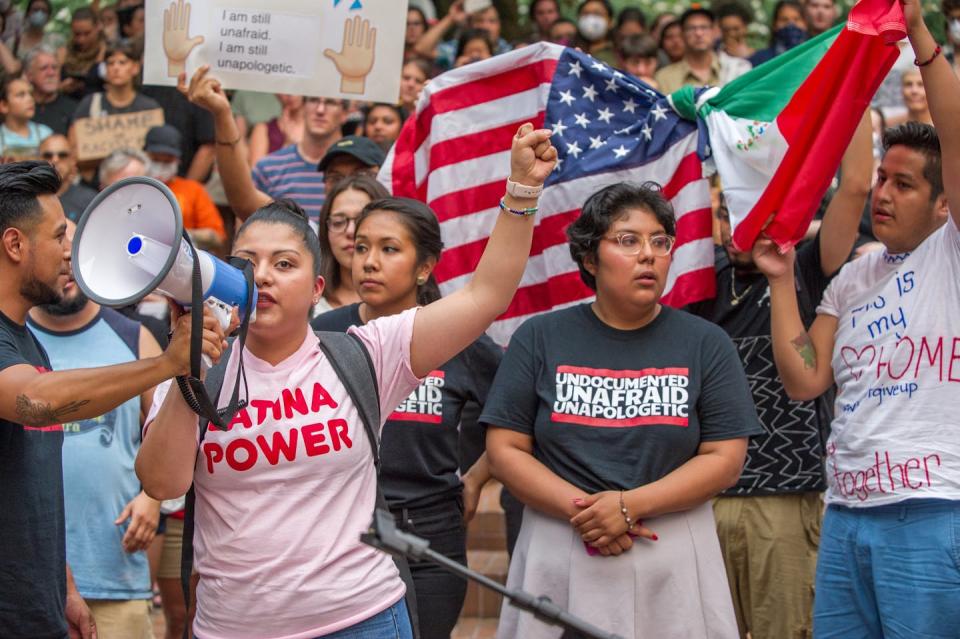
<point x="351" y="49"/>
<point x="99" y="137"/>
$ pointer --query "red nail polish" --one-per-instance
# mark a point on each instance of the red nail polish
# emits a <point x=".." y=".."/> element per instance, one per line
<point x="654" y="537"/>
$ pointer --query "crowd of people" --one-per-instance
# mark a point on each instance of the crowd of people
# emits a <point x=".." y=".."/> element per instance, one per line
<point x="779" y="461"/>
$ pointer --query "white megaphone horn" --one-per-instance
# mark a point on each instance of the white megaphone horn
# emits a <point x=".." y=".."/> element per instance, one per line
<point x="129" y="243"/>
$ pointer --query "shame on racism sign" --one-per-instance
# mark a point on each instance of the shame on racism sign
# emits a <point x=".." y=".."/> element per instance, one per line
<point x="98" y="137"/>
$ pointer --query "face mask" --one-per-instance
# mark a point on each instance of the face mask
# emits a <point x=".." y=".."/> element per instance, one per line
<point x="592" y="27"/>
<point x="163" y="171"/>
<point x="37" y="18"/>
<point x="955" y="30"/>
<point x="789" y="36"/>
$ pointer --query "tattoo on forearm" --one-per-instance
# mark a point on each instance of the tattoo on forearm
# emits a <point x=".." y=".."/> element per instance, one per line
<point x="804" y="346"/>
<point x="34" y="413"/>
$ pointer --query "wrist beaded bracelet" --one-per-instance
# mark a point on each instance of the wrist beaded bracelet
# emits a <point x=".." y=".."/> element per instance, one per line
<point x="933" y="57"/>
<point x="520" y="212"/>
<point x="626" y="513"/>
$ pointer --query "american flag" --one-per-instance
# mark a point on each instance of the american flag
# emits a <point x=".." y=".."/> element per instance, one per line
<point x="454" y="154"/>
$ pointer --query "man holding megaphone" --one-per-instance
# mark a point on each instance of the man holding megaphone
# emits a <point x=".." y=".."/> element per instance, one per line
<point x="37" y="597"/>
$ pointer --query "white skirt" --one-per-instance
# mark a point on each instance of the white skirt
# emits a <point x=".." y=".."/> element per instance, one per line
<point x="674" y="587"/>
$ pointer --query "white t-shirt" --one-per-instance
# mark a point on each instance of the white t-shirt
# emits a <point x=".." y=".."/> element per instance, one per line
<point x="283" y="495"/>
<point x="896" y="362"/>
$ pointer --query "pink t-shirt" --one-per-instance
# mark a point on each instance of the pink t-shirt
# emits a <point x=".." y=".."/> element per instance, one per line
<point x="283" y="495"/>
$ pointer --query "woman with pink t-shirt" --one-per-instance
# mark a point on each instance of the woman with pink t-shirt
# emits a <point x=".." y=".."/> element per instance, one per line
<point x="283" y="494"/>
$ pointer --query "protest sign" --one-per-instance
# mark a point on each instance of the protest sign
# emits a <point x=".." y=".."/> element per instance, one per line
<point x="98" y="137"/>
<point x="350" y="49"/>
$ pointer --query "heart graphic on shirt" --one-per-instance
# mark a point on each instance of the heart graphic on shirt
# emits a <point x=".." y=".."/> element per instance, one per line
<point x="854" y="359"/>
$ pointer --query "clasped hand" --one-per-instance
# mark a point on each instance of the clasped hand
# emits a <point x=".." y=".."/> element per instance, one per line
<point x="601" y="523"/>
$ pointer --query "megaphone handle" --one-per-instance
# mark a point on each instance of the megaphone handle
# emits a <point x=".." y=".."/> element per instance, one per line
<point x="223" y="313"/>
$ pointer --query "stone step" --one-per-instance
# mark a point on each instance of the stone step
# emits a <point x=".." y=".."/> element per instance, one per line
<point x="475" y="628"/>
<point x="482" y="602"/>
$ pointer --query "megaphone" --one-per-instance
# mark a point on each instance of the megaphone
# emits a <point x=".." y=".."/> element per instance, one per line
<point x="129" y="243"/>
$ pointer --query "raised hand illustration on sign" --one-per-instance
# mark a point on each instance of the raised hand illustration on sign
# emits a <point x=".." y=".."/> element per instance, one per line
<point x="177" y="43"/>
<point x="355" y="59"/>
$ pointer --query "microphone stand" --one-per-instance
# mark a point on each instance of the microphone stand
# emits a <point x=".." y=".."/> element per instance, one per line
<point x="384" y="535"/>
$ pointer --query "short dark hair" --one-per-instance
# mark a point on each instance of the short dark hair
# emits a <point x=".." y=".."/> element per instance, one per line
<point x="949" y="5"/>
<point x="923" y="139"/>
<point x="639" y="45"/>
<point x="5" y="85"/>
<point x="606" y="206"/>
<point x="605" y="3"/>
<point x="735" y="9"/>
<point x="421" y="222"/>
<point x="561" y="20"/>
<point x="697" y="9"/>
<point x="21" y="183"/>
<point x="423" y="16"/>
<point x="400" y="112"/>
<point x="128" y="48"/>
<point x="533" y="5"/>
<point x="631" y="14"/>
<point x="469" y="35"/>
<point x="363" y="183"/>
<point x="289" y="213"/>
<point x="783" y="4"/>
<point x="84" y="14"/>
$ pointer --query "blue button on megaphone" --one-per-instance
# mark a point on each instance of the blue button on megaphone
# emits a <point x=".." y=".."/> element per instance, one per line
<point x="129" y="243"/>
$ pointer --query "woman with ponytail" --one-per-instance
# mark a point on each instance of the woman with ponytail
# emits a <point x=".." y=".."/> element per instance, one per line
<point x="397" y="245"/>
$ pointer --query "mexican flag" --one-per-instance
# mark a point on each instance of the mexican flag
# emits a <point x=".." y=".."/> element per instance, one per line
<point x="777" y="133"/>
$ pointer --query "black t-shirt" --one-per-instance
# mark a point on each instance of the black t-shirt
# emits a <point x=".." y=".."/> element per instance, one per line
<point x="140" y="103"/>
<point x="57" y="114"/>
<point x="195" y="124"/>
<point x="610" y="409"/>
<point x="788" y="456"/>
<point x="420" y="444"/>
<point x="33" y="584"/>
<point x="76" y="199"/>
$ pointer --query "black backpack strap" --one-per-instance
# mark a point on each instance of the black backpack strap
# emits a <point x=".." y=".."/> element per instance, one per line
<point x="213" y="383"/>
<point x="352" y="364"/>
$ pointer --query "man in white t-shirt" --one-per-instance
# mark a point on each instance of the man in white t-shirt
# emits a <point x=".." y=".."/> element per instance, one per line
<point x="887" y="334"/>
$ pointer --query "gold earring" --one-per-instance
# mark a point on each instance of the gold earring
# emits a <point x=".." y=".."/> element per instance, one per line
<point x="421" y="281"/>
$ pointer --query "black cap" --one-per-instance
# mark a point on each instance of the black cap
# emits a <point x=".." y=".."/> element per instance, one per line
<point x="364" y="149"/>
<point x="697" y="9"/>
<point x="163" y="139"/>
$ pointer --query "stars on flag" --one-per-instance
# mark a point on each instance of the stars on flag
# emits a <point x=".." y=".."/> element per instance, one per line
<point x="596" y="127"/>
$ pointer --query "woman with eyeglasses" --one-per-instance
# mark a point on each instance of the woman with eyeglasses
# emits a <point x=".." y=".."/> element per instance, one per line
<point x="338" y="224"/>
<point x="615" y="422"/>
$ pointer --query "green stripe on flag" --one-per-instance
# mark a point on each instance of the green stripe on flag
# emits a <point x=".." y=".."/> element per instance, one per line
<point x="762" y="93"/>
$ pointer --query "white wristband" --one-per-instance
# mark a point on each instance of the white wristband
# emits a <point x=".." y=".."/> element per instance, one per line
<point x="523" y="191"/>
